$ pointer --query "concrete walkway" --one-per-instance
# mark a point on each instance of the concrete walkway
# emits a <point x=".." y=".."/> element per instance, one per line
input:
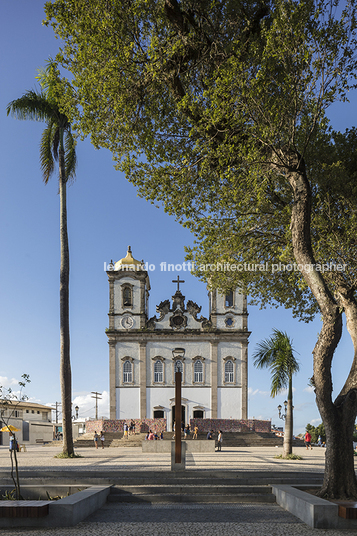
<point x="230" y="459"/>
<point x="173" y="519"/>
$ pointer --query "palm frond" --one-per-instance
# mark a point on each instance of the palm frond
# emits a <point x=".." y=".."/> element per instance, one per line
<point x="70" y="156"/>
<point x="33" y="106"/>
<point x="56" y="142"/>
<point x="46" y="158"/>
<point x="277" y="353"/>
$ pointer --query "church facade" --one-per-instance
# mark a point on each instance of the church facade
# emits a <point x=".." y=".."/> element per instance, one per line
<point x="145" y="353"/>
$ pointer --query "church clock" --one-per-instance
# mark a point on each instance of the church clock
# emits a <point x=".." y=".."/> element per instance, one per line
<point x="127" y="322"/>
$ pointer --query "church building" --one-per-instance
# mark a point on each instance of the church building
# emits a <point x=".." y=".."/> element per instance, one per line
<point x="145" y="353"/>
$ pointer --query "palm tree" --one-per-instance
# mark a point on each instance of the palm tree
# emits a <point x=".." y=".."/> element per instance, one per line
<point x="57" y="144"/>
<point x="277" y="354"/>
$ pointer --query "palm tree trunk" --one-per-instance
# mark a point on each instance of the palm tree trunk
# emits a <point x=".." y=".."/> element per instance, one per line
<point x="65" y="363"/>
<point x="288" y="435"/>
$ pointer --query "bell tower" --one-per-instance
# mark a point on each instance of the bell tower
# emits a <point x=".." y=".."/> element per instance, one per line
<point x="228" y="312"/>
<point x="129" y="288"/>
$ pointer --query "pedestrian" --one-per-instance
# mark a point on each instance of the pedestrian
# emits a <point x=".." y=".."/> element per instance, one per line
<point x="126" y="430"/>
<point x="182" y="428"/>
<point x="96" y="437"/>
<point x="219" y="441"/>
<point x="151" y="436"/>
<point x="162" y="435"/>
<point x="185" y="432"/>
<point x="195" y="432"/>
<point x="102" y="438"/>
<point x="319" y="441"/>
<point x="307" y="440"/>
<point x="131" y="427"/>
<point x="188" y="431"/>
<point x="209" y="435"/>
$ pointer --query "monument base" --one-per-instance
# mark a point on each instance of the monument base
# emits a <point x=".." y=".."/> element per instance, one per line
<point x="178" y="466"/>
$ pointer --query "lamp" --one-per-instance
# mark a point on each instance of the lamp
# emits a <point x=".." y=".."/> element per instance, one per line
<point x="283" y="415"/>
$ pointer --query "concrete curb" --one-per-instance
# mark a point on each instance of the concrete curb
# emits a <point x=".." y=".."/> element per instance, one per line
<point x="314" y="511"/>
<point x="65" y="512"/>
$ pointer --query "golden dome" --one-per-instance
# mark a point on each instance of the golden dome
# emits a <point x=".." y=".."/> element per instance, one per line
<point x="127" y="261"/>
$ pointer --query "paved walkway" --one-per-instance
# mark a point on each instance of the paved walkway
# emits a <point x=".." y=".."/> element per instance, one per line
<point x="174" y="520"/>
<point x="122" y="458"/>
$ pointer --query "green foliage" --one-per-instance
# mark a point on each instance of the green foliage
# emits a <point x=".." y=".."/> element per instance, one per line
<point x="277" y="354"/>
<point x="43" y="106"/>
<point x="289" y="457"/>
<point x="205" y="106"/>
<point x="316" y="431"/>
<point x="66" y="455"/>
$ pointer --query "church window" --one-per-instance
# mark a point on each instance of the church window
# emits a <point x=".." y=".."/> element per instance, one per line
<point x="127" y="372"/>
<point x="178" y="366"/>
<point x="229" y="299"/>
<point x="198" y="371"/>
<point x="158" y="372"/>
<point x="228" y="372"/>
<point x="127" y="297"/>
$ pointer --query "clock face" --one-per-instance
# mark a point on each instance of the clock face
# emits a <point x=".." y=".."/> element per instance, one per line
<point x="127" y="322"/>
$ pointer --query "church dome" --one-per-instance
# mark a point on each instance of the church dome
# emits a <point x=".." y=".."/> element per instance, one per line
<point x="127" y="261"/>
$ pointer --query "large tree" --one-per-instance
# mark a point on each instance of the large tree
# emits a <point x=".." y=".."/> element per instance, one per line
<point x="216" y="109"/>
<point x="277" y="354"/>
<point x="57" y="144"/>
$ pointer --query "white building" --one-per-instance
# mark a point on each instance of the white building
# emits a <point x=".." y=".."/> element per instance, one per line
<point x="144" y="352"/>
<point x="32" y="420"/>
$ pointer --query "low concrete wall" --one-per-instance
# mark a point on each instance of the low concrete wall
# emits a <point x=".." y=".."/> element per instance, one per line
<point x="314" y="511"/>
<point x="65" y="512"/>
<point x="191" y="446"/>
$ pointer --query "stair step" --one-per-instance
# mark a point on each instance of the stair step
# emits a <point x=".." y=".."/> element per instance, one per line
<point x="247" y="498"/>
<point x="203" y="489"/>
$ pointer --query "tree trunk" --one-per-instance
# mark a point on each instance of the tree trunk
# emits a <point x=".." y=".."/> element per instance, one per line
<point x="340" y="480"/>
<point x="338" y="417"/>
<point x="65" y="365"/>
<point x="288" y="434"/>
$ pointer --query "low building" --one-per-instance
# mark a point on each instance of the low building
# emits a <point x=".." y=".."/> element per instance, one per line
<point x="32" y="420"/>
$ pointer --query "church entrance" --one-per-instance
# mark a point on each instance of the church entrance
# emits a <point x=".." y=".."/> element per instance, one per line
<point x="183" y="415"/>
<point x="198" y="414"/>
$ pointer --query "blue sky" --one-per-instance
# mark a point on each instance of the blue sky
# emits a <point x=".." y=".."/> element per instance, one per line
<point x="104" y="216"/>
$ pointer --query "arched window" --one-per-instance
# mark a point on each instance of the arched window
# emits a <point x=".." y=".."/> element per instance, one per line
<point x="198" y="371"/>
<point x="228" y="372"/>
<point x="127" y="297"/>
<point x="178" y="366"/>
<point x="127" y="372"/>
<point x="229" y="299"/>
<point x="158" y="372"/>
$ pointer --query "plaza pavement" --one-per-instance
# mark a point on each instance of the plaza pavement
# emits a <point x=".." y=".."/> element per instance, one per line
<point x="116" y="519"/>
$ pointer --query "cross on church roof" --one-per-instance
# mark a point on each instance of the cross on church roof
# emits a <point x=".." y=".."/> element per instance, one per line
<point x="178" y="281"/>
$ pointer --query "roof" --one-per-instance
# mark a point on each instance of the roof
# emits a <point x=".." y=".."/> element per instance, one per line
<point x="25" y="404"/>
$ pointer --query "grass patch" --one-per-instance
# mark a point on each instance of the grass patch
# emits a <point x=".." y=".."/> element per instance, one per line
<point x="289" y="457"/>
<point x="66" y="455"/>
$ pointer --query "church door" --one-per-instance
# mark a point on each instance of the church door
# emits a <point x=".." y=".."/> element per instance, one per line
<point x="183" y="415"/>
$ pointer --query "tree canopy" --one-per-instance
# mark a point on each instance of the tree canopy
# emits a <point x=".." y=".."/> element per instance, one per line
<point x="204" y="105"/>
<point x="216" y="109"/>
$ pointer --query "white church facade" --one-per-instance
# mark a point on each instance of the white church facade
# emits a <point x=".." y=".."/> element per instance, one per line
<point x="144" y="353"/>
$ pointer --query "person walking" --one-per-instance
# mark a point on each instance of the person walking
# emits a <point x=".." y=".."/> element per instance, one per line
<point x="219" y="441"/>
<point x="102" y="438"/>
<point x="307" y="440"/>
<point x="96" y="437"/>
<point x="195" y="432"/>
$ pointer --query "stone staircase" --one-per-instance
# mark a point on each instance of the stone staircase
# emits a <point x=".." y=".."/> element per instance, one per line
<point x="197" y="491"/>
<point x="112" y="439"/>
<point x="204" y="487"/>
<point x="231" y="439"/>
